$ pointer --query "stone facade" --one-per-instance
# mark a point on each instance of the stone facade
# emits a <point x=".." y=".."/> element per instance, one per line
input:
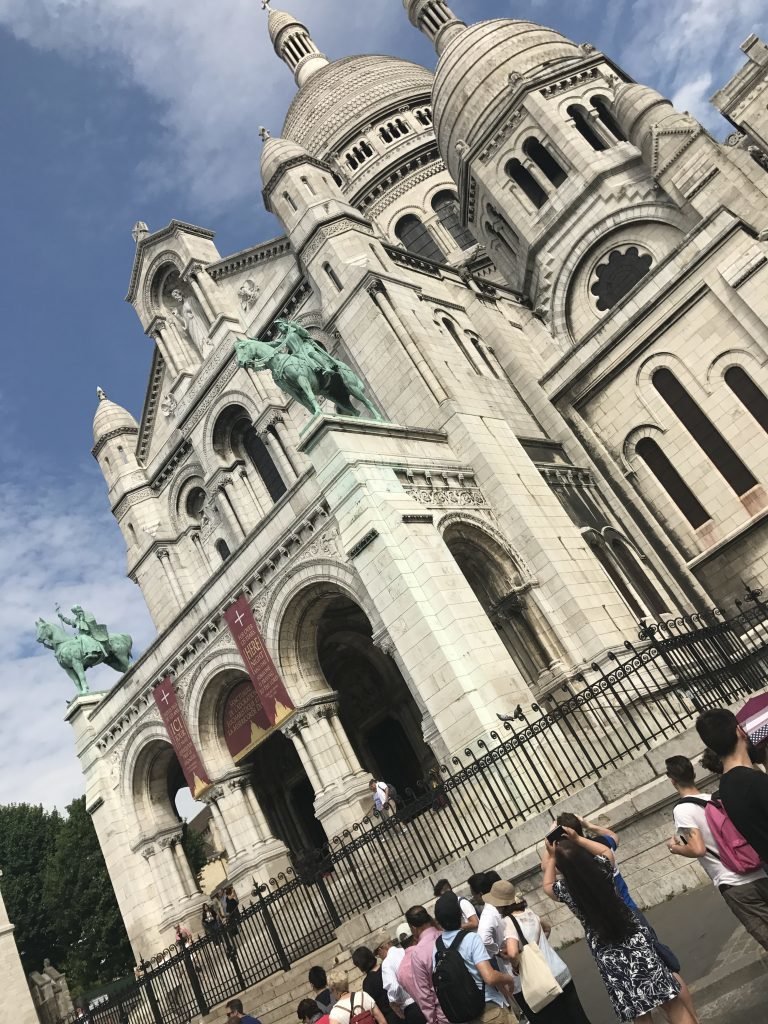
<point x="553" y="285"/>
<point x="15" y="989"/>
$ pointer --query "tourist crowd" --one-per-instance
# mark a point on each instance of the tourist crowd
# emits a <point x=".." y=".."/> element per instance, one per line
<point x="489" y="959"/>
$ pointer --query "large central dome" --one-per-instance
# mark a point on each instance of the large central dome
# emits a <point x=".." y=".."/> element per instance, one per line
<point x="349" y="95"/>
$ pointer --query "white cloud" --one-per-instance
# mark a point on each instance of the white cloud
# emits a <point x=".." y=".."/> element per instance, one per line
<point x="210" y="66"/>
<point x="56" y="544"/>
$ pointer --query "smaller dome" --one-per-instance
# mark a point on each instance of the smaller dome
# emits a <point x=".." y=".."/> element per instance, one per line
<point x="111" y="417"/>
<point x="638" y="108"/>
<point x="473" y="76"/>
<point x="277" y="152"/>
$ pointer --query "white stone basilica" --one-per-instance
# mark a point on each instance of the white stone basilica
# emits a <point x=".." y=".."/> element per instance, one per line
<point x="555" y="288"/>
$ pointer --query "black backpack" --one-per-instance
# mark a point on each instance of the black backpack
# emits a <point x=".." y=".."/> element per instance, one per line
<point x="457" y="992"/>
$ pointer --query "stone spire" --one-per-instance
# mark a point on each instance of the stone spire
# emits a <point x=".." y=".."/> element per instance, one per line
<point x="293" y="44"/>
<point x="436" y="20"/>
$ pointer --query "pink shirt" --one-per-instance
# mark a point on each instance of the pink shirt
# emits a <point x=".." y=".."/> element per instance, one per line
<point x="415" y="976"/>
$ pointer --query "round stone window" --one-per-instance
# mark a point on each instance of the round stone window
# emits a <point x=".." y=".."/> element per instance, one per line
<point x="617" y="273"/>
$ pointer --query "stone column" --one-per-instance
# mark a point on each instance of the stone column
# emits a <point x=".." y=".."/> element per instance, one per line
<point x="164" y="557"/>
<point x="163" y="890"/>
<point x="15" y="989"/>
<point x="275" y="449"/>
<point x="200" y="283"/>
<point x="252" y="847"/>
<point x="166" y="342"/>
<point x="224" y="487"/>
<point x="340" y="784"/>
<point x="173" y="868"/>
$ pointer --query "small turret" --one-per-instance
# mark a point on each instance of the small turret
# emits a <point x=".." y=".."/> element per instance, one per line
<point x="293" y="45"/>
<point x="436" y="20"/>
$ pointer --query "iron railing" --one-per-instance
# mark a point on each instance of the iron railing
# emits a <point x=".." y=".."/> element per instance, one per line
<point x="600" y="720"/>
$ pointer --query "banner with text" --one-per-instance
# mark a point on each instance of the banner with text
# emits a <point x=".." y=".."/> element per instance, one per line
<point x="178" y="733"/>
<point x="252" y="713"/>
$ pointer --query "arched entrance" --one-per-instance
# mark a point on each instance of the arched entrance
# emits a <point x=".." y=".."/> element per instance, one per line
<point x="376" y="708"/>
<point x="274" y="770"/>
<point x="506" y="598"/>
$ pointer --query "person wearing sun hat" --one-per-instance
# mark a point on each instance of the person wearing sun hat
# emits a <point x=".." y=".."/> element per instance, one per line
<point x="511" y="903"/>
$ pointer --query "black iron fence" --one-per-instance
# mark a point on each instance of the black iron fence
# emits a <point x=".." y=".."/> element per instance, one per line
<point x="600" y="720"/>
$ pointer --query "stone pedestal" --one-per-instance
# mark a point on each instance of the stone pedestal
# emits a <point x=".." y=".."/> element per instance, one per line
<point x="16" y="994"/>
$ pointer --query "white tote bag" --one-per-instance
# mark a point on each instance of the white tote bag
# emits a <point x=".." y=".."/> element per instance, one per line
<point x="539" y="985"/>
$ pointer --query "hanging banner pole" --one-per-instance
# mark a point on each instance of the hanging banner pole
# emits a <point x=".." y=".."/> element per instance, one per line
<point x="189" y="757"/>
<point x="266" y="705"/>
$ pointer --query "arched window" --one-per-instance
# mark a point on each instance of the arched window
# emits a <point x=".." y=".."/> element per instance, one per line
<point x="263" y="463"/>
<point x="481" y="353"/>
<point x="703" y="431"/>
<point x="583" y="126"/>
<point x="748" y="393"/>
<point x="131" y="534"/>
<point x="121" y="453"/>
<point x="424" y="116"/>
<point x="523" y="177"/>
<point x="601" y="105"/>
<point x="223" y="549"/>
<point x="308" y="185"/>
<point x="333" y="276"/>
<point x="195" y="503"/>
<point x="450" y="326"/>
<point x="417" y="239"/>
<point x="288" y="198"/>
<point x="544" y="160"/>
<point x="669" y="478"/>
<point x="446" y="206"/>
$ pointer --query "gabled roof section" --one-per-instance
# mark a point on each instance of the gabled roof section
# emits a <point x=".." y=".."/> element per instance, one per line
<point x="264" y="252"/>
<point x="157" y="236"/>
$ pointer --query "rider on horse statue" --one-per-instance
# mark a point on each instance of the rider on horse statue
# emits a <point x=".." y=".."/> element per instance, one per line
<point x="86" y="625"/>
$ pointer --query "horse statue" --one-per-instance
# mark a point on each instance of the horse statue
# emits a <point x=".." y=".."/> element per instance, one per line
<point x="303" y="369"/>
<point x="92" y="645"/>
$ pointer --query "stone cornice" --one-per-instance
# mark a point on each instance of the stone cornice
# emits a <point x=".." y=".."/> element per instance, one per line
<point x="105" y="438"/>
<point x="179" y="455"/>
<point x="157" y="236"/>
<point x="149" y="412"/>
<point x="246" y="259"/>
<point x="329" y="229"/>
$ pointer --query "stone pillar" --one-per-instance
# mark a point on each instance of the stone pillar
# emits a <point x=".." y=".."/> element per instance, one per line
<point x="201" y="283"/>
<point x="253" y="850"/>
<point x="16" y="996"/>
<point x="275" y="449"/>
<point x="164" y="557"/>
<point x="341" y="786"/>
<point x="226" y="500"/>
<point x="166" y="342"/>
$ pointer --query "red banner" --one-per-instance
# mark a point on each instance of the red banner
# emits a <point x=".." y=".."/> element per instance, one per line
<point x="253" y="716"/>
<point x="178" y="733"/>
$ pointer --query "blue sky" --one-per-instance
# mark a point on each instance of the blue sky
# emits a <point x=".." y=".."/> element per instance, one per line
<point x="117" y="110"/>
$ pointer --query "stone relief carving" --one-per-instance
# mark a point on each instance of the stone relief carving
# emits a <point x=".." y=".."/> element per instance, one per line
<point x="248" y="293"/>
<point x="188" y="320"/>
<point x="169" y="405"/>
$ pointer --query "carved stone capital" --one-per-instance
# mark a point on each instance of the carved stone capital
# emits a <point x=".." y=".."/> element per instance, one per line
<point x="376" y="288"/>
<point x="384" y="642"/>
<point x="147" y="852"/>
<point x="297" y="725"/>
<point x="162" y="554"/>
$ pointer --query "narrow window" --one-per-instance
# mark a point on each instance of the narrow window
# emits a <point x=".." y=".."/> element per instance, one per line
<point x="703" y="431"/>
<point x="351" y="161"/>
<point x="333" y="276"/>
<point x="121" y="453"/>
<point x="308" y="185"/>
<point x="446" y="206"/>
<point x="263" y="463"/>
<point x="417" y="239"/>
<point x="748" y="393"/>
<point x="385" y="136"/>
<point x="523" y="177"/>
<point x="482" y="354"/>
<point x="223" y="549"/>
<point x="451" y="328"/>
<point x="131" y="534"/>
<point x="289" y="200"/>
<point x="604" y="113"/>
<point x="669" y="478"/>
<point x="584" y="127"/>
<point x="338" y="179"/>
<point x="544" y="160"/>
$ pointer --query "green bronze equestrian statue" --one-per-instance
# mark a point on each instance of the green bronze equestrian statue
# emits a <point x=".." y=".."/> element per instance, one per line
<point x="305" y="371"/>
<point x="93" y="645"/>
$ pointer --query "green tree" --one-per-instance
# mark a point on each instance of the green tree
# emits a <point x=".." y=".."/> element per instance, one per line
<point x="28" y="835"/>
<point x="195" y="848"/>
<point x="78" y="894"/>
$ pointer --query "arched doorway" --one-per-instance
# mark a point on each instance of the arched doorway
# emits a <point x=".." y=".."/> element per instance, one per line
<point x="275" y="773"/>
<point x="163" y="802"/>
<point x="506" y="598"/>
<point x="376" y="708"/>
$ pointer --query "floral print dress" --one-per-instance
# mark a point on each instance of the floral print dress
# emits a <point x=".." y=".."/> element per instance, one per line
<point x="636" y="978"/>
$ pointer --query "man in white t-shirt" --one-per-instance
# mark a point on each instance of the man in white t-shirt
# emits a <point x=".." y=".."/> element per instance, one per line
<point x="746" y="895"/>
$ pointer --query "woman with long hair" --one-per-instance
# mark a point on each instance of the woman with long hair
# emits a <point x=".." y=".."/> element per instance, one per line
<point x="636" y="978"/>
<point x="373" y="985"/>
<point x="520" y="921"/>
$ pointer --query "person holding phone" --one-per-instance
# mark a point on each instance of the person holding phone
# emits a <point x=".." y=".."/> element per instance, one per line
<point x="636" y="978"/>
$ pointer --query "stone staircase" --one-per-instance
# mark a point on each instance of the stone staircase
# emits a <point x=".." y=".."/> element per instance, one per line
<point x="274" y="1000"/>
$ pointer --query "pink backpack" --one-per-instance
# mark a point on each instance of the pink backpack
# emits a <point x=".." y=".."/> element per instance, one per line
<point x="735" y="852"/>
